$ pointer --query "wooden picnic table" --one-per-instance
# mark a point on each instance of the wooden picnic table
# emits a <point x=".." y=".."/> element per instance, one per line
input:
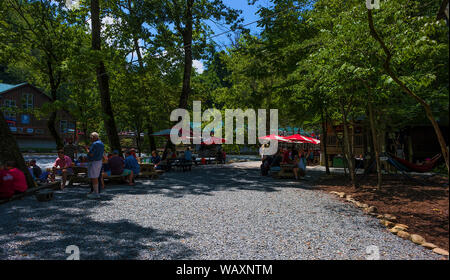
<point x="286" y="171"/>
<point x="80" y="175"/>
<point x="148" y="170"/>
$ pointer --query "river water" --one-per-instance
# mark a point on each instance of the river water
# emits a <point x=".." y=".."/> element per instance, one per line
<point x="47" y="160"/>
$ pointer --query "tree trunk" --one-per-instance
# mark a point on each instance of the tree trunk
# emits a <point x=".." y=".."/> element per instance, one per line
<point x="348" y="148"/>
<point x="425" y="105"/>
<point x="376" y="147"/>
<point x="375" y="144"/>
<point x="9" y="150"/>
<point x="150" y="137"/>
<point x="54" y="131"/>
<point x="103" y="80"/>
<point x="187" y="41"/>
<point x="324" y="142"/>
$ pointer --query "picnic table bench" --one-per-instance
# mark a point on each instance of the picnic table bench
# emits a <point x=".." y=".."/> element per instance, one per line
<point x="31" y="191"/>
<point x="182" y="164"/>
<point x="285" y="172"/>
<point x="80" y="175"/>
<point x="148" y="171"/>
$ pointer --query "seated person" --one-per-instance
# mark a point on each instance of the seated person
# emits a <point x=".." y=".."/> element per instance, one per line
<point x="6" y="183"/>
<point x="286" y="158"/>
<point x="19" y="180"/>
<point x="30" y="170"/>
<point x="116" y="163"/>
<point x="265" y="166"/>
<point x="37" y="171"/>
<point x="63" y="167"/>
<point x="275" y="165"/>
<point x="155" y="159"/>
<point x="131" y="163"/>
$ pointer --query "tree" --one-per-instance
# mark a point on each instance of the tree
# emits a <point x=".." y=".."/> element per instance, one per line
<point x="9" y="150"/>
<point x="103" y="79"/>
<point x="36" y="39"/>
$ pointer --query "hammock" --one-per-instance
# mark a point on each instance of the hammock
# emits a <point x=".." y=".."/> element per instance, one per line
<point x="407" y="166"/>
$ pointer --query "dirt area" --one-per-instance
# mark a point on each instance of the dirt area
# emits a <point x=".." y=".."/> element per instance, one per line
<point x="422" y="205"/>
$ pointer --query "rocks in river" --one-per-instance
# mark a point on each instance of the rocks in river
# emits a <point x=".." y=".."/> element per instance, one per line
<point x="417" y="239"/>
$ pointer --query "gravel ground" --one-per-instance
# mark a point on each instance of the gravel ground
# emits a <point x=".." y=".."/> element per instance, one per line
<point x="213" y="212"/>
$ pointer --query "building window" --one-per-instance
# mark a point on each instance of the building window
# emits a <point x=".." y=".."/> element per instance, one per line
<point x="9" y="109"/>
<point x="39" y="131"/>
<point x="27" y="101"/>
<point x="63" y="126"/>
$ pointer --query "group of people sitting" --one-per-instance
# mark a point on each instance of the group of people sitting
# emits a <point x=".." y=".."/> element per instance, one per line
<point x="272" y="163"/>
<point x="160" y="164"/>
<point x="115" y="164"/>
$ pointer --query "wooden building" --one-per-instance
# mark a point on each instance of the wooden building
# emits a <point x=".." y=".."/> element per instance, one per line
<point x="18" y="103"/>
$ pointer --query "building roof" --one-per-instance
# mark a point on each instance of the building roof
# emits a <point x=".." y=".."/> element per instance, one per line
<point x="8" y="87"/>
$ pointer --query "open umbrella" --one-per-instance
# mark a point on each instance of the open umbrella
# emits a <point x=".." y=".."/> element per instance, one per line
<point x="302" y="139"/>
<point x="213" y="140"/>
<point x="275" y="137"/>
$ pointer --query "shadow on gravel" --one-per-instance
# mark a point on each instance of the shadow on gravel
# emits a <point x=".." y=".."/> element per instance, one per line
<point x="206" y="181"/>
<point x="34" y="230"/>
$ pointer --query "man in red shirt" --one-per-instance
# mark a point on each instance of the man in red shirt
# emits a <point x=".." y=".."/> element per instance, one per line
<point x="63" y="167"/>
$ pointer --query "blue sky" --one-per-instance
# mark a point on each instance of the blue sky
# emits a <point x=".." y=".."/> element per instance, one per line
<point x="249" y="14"/>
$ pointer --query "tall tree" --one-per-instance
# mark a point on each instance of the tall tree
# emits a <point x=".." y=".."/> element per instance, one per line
<point x="103" y="79"/>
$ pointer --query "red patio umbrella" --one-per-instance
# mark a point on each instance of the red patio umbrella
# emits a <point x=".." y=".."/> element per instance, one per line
<point x="275" y="137"/>
<point x="302" y="139"/>
<point x="213" y="140"/>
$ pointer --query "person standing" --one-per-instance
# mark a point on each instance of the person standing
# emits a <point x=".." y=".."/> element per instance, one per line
<point x="95" y="156"/>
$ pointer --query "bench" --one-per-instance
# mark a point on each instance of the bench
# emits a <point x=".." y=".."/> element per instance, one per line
<point x="286" y="172"/>
<point x="31" y="191"/>
<point x="182" y="165"/>
<point x="148" y="171"/>
<point x="80" y="175"/>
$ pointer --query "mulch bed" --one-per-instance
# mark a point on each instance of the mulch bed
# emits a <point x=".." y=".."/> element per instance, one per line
<point x="421" y="206"/>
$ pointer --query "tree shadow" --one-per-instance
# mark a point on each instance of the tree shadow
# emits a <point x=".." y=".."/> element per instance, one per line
<point x="36" y="230"/>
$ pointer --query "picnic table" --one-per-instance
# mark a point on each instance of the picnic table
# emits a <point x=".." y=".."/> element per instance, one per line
<point x="148" y="170"/>
<point x="80" y="175"/>
<point x="286" y="171"/>
<point x="182" y="164"/>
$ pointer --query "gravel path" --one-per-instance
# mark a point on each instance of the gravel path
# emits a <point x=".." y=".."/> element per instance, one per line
<point x="213" y="212"/>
